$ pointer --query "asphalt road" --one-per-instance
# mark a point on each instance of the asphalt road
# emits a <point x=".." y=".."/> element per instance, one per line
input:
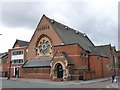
<point x="27" y="84"/>
<point x="22" y="84"/>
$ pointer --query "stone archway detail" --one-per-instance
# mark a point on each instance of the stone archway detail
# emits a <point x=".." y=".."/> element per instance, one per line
<point x="54" y="71"/>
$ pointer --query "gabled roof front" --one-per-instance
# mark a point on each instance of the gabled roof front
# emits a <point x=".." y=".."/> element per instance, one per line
<point x="21" y="43"/>
<point x="66" y="57"/>
<point x="100" y="50"/>
<point x="69" y="61"/>
<point x="69" y="35"/>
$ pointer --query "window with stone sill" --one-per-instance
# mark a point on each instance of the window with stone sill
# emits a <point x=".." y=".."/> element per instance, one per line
<point x="17" y="52"/>
<point x="17" y="61"/>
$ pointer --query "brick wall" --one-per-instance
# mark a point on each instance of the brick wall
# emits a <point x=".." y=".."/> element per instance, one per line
<point x="41" y="72"/>
<point x="5" y="70"/>
<point x="99" y="65"/>
<point x="73" y="51"/>
<point x="55" y="40"/>
<point x="78" y="56"/>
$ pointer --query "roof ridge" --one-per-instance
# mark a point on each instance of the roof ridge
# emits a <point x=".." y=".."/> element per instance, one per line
<point x="103" y="45"/>
<point x="21" y="43"/>
<point x="21" y="40"/>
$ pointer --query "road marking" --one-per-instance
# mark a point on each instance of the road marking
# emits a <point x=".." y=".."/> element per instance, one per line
<point x="112" y="86"/>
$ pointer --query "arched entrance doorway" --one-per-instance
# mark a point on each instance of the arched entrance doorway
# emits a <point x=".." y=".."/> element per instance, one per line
<point x="59" y="69"/>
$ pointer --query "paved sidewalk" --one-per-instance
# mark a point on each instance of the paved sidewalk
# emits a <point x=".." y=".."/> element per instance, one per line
<point x="48" y="81"/>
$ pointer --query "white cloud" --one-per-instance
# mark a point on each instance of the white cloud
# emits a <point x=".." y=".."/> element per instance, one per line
<point x="10" y="35"/>
<point x="97" y="18"/>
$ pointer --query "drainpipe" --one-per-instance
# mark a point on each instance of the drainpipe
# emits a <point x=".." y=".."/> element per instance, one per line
<point x="113" y="61"/>
<point x="88" y="62"/>
<point x="114" y="64"/>
<point x="102" y="67"/>
<point x="89" y="66"/>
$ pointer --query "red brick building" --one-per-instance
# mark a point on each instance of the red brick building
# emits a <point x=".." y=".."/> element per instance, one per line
<point x="4" y="64"/>
<point x="18" y="56"/>
<point x="58" y="51"/>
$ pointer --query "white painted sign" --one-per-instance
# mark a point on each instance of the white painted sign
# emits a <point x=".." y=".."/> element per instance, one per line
<point x="17" y="57"/>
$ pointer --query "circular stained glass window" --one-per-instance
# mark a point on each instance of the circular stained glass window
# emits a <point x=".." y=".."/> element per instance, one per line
<point x="44" y="47"/>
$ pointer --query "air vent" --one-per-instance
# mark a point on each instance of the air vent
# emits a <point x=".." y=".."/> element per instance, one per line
<point x="52" y="21"/>
<point x="84" y="35"/>
<point x="76" y="32"/>
<point x="66" y="27"/>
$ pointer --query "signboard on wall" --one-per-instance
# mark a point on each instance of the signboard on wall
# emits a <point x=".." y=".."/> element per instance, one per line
<point x="17" y="57"/>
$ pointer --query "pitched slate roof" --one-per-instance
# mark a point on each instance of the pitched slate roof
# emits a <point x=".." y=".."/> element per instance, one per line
<point x="69" y="61"/>
<point x="70" y="36"/>
<point x="66" y="57"/>
<point x="2" y="55"/>
<point x="37" y="63"/>
<point x="21" y="43"/>
<point x="100" y="50"/>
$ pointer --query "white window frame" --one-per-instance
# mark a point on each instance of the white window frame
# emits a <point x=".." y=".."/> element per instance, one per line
<point x="16" y="55"/>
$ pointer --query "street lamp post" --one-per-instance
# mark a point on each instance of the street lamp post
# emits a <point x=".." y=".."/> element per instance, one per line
<point x="9" y="70"/>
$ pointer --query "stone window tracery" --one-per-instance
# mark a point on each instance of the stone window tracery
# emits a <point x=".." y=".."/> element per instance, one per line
<point x="44" y="47"/>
